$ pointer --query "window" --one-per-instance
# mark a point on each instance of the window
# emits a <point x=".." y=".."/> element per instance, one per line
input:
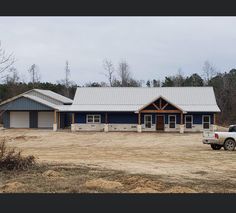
<point x="206" y="121"/>
<point x="172" y="121"/>
<point x="232" y="129"/>
<point x="188" y="121"/>
<point x="93" y="118"/>
<point x="148" y="121"/>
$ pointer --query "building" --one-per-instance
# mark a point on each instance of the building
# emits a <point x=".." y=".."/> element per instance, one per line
<point x="35" y="109"/>
<point x="169" y="109"/>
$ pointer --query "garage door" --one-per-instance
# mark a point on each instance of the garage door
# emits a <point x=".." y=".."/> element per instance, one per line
<point x="19" y="119"/>
<point x="45" y="119"/>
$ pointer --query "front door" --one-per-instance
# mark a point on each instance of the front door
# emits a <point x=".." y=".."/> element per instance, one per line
<point x="160" y="122"/>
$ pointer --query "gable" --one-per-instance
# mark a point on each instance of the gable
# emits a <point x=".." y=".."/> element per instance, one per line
<point x="44" y="97"/>
<point x="23" y="103"/>
<point x="160" y="104"/>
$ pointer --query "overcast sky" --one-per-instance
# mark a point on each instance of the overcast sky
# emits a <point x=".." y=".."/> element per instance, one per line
<point x="153" y="46"/>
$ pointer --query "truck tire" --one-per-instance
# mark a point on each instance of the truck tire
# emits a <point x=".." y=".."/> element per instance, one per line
<point x="229" y="145"/>
<point x="216" y="146"/>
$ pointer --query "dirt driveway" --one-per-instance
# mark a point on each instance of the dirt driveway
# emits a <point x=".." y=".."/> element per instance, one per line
<point x="173" y="157"/>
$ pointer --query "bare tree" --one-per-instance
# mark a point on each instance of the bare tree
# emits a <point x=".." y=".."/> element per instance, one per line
<point x="13" y="76"/>
<point x="208" y="71"/>
<point x="108" y="66"/>
<point x="34" y="74"/>
<point x="124" y="73"/>
<point x="6" y="61"/>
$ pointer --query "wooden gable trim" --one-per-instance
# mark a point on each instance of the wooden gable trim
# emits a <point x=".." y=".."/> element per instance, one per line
<point x="160" y="97"/>
<point x="165" y="106"/>
<point x="160" y="111"/>
<point x="155" y="106"/>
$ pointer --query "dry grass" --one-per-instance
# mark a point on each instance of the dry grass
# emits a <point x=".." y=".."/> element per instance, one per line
<point x="11" y="159"/>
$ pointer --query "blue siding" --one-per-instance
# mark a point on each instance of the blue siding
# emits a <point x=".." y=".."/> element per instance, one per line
<point x="65" y="119"/>
<point x="80" y="117"/>
<point x="33" y="119"/>
<point x="24" y="104"/>
<point x="197" y="117"/>
<point x="6" y="119"/>
<point x="132" y="118"/>
<point x="123" y="117"/>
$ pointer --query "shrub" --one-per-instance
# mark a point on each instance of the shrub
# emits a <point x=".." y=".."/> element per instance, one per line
<point x="11" y="159"/>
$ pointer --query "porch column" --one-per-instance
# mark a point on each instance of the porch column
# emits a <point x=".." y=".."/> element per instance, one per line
<point x="181" y="126"/>
<point x="73" y="122"/>
<point x="73" y="118"/>
<point x="59" y="120"/>
<point x="139" y="126"/>
<point x="106" y="123"/>
<point x="214" y="122"/>
<point x="55" y="121"/>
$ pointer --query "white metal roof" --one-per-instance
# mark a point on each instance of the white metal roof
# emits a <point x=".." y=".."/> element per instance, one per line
<point x="194" y="99"/>
<point x="54" y="95"/>
<point x="40" y="100"/>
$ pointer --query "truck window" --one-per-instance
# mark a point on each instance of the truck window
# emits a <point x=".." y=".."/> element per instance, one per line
<point x="232" y="129"/>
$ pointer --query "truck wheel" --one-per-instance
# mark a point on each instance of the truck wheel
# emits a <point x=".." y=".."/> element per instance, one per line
<point x="229" y="145"/>
<point x="216" y="146"/>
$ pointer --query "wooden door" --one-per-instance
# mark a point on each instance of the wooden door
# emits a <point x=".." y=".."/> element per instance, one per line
<point x="160" y="122"/>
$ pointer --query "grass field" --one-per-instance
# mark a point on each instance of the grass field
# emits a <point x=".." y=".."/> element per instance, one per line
<point x="119" y="162"/>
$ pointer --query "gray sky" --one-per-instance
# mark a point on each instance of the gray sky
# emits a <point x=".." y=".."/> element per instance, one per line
<point x="153" y="46"/>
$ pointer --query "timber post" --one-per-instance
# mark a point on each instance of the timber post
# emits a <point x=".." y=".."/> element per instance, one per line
<point x="139" y="127"/>
<point x="181" y="126"/>
<point x="55" y="121"/>
<point x="106" y="129"/>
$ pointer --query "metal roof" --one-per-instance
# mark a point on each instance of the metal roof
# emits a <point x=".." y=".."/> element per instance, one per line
<point x="40" y="100"/>
<point x="189" y="99"/>
<point x="54" y="95"/>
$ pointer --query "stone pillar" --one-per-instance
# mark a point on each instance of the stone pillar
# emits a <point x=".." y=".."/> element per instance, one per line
<point x="139" y="128"/>
<point x="181" y="128"/>
<point x="55" y="127"/>
<point x="106" y="128"/>
<point x="215" y="128"/>
<point x="73" y="128"/>
<point x="55" y="121"/>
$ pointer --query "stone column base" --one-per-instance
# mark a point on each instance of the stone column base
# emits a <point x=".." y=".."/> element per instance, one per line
<point x="54" y="127"/>
<point x="139" y="128"/>
<point x="181" y="129"/>
<point x="72" y="127"/>
<point x="215" y="128"/>
<point x="106" y="128"/>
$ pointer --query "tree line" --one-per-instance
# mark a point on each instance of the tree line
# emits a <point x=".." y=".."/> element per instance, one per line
<point x="224" y="84"/>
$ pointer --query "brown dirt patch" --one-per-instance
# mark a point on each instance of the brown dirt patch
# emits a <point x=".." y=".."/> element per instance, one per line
<point x="51" y="174"/>
<point x="180" y="189"/>
<point x="12" y="187"/>
<point x="102" y="183"/>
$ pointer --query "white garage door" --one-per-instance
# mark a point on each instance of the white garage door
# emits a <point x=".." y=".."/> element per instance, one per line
<point x="45" y="119"/>
<point x="19" y="119"/>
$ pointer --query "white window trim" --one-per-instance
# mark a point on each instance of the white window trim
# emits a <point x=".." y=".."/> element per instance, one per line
<point x="145" y="121"/>
<point x="169" y="121"/>
<point x="205" y="122"/>
<point x="93" y="119"/>
<point x="188" y="122"/>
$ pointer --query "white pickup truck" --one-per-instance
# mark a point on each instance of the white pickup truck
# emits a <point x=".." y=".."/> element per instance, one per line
<point x="217" y="140"/>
